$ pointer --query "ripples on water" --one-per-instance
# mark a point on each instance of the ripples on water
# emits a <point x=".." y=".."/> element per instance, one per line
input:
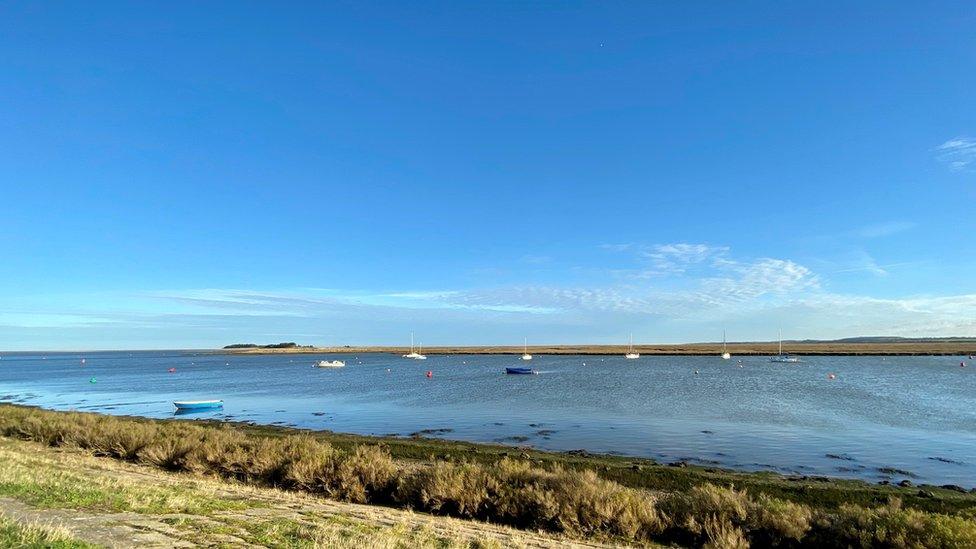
<point x="916" y="415"/>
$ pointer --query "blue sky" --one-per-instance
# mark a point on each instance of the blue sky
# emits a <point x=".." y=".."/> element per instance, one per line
<point x="197" y="174"/>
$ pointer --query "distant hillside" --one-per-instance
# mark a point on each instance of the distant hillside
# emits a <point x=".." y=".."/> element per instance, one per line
<point x="892" y="339"/>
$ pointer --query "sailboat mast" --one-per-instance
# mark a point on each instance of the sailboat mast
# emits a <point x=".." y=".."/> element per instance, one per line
<point x="411" y="342"/>
<point x="723" y="341"/>
<point x="780" y="341"/>
<point x="631" y="342"/>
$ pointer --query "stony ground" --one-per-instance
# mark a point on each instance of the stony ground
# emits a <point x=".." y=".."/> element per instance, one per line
<point x="111" y="504"/>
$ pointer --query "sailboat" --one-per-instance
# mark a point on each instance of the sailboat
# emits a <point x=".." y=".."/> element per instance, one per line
<point x="725" y="352"/>
<point x="630" y="353"/>
<point x="414" y="354"/>
<point x="525" y="350"/>
<point x="782" y="357"/>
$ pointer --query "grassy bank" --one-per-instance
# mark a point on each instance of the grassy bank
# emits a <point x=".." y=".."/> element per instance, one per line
<point x="587" y="497"/>
<point x="56" y="497"/>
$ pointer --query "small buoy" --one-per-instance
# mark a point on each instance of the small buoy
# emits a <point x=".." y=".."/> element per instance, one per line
<point x="82" y="361"/>
<point x="92" y="380"/>
<point x="962" y="364"/>
<point x="430" y="374"/>
<point x="387" y="370"/>
<point x="172" y="370"/>
<point x="584" y="364"/>
<point x="696" y="372"/>
<point x="831" y="376"/>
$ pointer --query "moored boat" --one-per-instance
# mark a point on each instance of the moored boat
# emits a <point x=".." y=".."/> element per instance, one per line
<point x="725" y="351"/>
<point x="414" y="354"/>
<point x="525" y="350"/>
<point x="330" y="364"/>
<point x="781" y="357"/>
<point x="198" y="404"/>
<point x="631" y="355"/>
<point x="520" y="371"/>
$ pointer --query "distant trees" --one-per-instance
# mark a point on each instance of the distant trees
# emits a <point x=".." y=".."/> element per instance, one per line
<point x="286" y="345"/>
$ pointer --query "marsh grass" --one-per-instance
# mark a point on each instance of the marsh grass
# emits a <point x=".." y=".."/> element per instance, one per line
<point x="577" y="502"/>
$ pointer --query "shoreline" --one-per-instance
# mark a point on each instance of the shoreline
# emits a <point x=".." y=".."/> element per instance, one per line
<point x="961" y="348"/>
<point x="595" y="497"/>
<point x="421" y="447"/>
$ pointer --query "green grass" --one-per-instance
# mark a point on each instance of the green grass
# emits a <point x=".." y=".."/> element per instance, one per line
<point x="338" y="532"/>
<point x="35" y="482"/>
<point x="36" y="536"/>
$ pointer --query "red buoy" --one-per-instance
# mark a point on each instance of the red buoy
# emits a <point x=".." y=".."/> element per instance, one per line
<point x="172" y="370"/>
<point x="430" y="374"/>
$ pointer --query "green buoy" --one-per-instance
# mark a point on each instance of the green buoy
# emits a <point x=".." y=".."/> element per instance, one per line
<point x="92" y="380"/>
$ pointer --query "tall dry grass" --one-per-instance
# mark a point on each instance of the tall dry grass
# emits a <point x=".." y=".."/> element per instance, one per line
<point x="511" y="492"/>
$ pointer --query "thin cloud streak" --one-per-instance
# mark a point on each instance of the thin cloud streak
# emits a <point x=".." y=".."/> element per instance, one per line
<point x="694" y="288"/>
<point x="957" y="153"/>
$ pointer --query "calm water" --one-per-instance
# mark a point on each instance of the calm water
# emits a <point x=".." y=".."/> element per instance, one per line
<point x="913" y="414"/>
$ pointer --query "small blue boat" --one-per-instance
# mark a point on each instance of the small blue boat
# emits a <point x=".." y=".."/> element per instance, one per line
<point x="198" y="404"/>
<point x="520" y="371"/>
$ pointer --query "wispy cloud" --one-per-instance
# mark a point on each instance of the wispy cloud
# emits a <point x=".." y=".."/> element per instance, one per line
<point x="616" y="247"/>
<point x="667" y="259"/>
<point x="958" y="153"/>
<point x="863" y="261"/>
<point x="681" y="286"/>
<point x="888" y="228"/>
<point x="535" y="259"/>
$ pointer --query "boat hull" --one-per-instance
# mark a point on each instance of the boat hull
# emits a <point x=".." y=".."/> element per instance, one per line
<point x="520" y="371"/>
<point x="199" y="404"/>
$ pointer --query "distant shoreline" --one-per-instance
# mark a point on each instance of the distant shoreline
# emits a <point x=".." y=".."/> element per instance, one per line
<point x="937" y="348"/>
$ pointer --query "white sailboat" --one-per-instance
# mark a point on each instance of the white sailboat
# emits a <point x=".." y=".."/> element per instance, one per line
<point x="630" y="353"/>
<point x="783" y="357"/>
<point x="525" y="350"/>
<point x="725" y="352"/>
<point x="330" y="364"/>
<point x="414" y="354"/>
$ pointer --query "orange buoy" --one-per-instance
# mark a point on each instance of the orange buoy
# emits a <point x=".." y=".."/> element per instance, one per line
<point x="831" y="376"/>
<point x="430" y="374"/>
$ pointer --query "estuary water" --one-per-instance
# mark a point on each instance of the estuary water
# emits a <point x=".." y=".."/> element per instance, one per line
<point x="880" y="418"/>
